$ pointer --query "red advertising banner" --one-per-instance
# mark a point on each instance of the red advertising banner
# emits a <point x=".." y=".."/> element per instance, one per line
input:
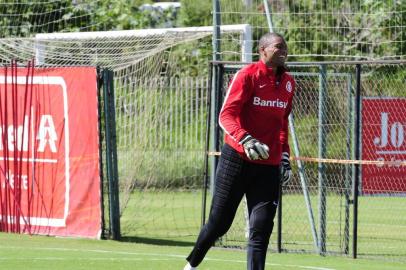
<point x="49" y="154"/>
<point x="383" y="139"/>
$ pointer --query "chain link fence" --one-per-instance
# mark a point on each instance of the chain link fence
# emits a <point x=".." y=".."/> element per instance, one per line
<point x="343" y="112"/>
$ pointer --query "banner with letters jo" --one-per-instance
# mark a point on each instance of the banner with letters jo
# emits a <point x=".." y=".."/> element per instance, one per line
<point x="49" y="154"/>
<point x="383" y="139"/>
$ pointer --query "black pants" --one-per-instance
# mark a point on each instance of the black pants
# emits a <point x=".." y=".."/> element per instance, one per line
<point x="234" y="178"/>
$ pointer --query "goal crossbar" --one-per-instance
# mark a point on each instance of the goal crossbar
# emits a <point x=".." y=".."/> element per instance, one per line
<point x="196" y="32"/>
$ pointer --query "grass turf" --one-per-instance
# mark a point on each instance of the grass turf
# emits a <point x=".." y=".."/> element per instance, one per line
<point x="39" y="252"/>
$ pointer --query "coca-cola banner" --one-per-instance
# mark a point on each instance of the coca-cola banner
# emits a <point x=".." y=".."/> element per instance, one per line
<point x="383" y="139"/>
<point x="49" y="157"/>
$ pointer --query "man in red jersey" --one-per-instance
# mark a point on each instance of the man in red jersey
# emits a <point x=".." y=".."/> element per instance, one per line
<point x="255" y="155"/>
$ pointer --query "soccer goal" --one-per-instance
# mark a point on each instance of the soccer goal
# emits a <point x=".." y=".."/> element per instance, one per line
<point x="161" y="89"/>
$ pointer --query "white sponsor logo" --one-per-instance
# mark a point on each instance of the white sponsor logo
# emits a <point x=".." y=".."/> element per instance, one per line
<point x="391" y="141"/>
<point x="393" y="135"/>
<point x="270" y="103"/>
<point x="37" y="138"/>
<point x="289" y="86"/>
<point x="46" y="135"/>
<point x="262" y="85"/>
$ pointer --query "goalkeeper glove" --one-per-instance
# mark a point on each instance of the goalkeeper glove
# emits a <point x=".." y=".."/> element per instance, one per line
<point x="254" y="149"/>
<point x="286" y="170"/>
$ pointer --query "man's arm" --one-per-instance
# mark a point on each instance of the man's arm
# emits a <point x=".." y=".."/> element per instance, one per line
<point x="238" y="93"/>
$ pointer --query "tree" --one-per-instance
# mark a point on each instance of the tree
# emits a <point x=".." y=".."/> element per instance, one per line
<point x="28" y="18"/>
<point x="196" y="13"/>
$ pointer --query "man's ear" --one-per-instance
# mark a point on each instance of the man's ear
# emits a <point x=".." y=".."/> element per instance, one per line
<point x="262" y="50"/>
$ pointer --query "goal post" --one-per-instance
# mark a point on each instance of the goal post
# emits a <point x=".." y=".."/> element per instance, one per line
<point x="165" y="38"/>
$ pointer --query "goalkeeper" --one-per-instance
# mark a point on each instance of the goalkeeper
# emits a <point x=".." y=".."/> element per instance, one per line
<point x="255" y="157"/>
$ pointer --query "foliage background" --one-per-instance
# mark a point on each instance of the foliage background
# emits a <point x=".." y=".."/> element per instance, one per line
<point x="353" y="28"/>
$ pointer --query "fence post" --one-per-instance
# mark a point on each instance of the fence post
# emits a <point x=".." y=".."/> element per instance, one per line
<point x="357" y="155"/>
<point x="207" y="146"/>
<point x="111" y="153"/>
<point x="215" y="81"/>
<point x="322" y="154"/>
<point x="100" y="91"/>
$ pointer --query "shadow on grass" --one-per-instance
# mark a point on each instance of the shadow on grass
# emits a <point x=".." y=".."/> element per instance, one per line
<point x="155" y="241"/>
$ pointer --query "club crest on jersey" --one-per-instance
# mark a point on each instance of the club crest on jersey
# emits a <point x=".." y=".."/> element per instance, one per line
<point x="289" y="86"/>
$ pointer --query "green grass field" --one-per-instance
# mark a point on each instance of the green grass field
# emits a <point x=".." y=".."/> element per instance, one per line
<point x="159" y="243"/>
<point x="176" y="216"/>
<point x="39" y="252"/>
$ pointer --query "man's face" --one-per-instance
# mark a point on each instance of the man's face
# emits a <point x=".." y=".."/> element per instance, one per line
<point x="275" y="54"/>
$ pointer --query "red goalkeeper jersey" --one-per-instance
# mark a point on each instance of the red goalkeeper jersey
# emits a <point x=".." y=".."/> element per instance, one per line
<point x="258" y="103"/>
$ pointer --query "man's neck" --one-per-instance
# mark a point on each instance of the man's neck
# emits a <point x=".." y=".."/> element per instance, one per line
<point x="271" y="66"/>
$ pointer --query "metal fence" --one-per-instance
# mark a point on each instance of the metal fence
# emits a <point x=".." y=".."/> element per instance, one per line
<point x="342" y="112"/>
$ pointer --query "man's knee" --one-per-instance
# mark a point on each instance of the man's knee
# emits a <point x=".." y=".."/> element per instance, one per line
<point x="260" y="234"/>
<point x="218" y="225"/>
<point x="261" y="221"/>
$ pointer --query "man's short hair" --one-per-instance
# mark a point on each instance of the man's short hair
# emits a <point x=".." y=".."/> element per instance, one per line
<point x="267" y="39"/>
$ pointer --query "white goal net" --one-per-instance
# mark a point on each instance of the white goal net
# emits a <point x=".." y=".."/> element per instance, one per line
<point x="161" y="89"/>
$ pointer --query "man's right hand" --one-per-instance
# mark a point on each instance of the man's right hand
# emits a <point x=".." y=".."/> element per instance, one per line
<point x="254" y="149"/>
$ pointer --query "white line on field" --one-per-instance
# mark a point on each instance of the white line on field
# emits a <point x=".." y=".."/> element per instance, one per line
<point x="83" y="259"/>
<point x="140" y="259"/>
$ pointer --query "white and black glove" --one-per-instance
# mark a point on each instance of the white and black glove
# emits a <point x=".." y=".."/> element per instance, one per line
<point x="253" y="148"/>
<point x="286" y="170"/>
